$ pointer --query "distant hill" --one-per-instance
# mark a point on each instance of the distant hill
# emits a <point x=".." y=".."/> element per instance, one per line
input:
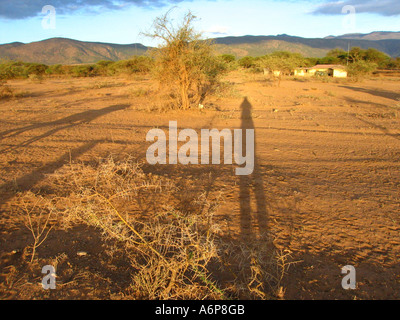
<point x="311" y="47"/>
<point x="259" y="48"/>
<point x="377" y="35"/>
<point x="68" y="51"/>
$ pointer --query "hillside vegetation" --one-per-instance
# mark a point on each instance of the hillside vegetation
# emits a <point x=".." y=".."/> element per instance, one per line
<point x="68" y="51"/>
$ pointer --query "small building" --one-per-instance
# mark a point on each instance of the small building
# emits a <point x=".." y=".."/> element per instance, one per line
<point x="331" y="70"/>
<point x="275" y="73"/>
<point x="301" y="72"/>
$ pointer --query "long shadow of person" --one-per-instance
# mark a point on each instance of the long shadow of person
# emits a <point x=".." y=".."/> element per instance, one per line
<point x="252" y="224"/>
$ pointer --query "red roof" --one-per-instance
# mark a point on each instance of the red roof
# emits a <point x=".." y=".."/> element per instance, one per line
<point x="328" y="66"/>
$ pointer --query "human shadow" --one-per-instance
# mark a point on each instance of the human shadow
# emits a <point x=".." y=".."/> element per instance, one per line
<point x="61" y="124"/>
<point x="251" y="185"/>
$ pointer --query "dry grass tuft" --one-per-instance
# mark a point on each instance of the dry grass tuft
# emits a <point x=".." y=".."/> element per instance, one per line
<point x="39" y="216"/>
<point x="168" y="249"/>
<point x="257" y="268"/>
<point x="5" y="91"/>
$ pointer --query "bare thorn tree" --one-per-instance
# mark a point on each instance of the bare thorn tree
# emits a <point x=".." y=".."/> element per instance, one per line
<point x="185" y="65"/>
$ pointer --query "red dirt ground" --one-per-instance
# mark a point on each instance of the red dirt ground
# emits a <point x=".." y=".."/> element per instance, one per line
<point x="325" y="186"/>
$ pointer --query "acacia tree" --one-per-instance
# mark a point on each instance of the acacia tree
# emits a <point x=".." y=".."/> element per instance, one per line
<point x="283" y="62"/>
<point x="356" y="54"/>
<point x="360" y="69"/>
<point x="336" y="56"/>
<point x="378" y="57"/>
<point x="184" y="63"/>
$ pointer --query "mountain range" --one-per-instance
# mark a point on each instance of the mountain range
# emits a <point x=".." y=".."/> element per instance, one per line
<point x="388" y="42"/>
<point x="68" y="51"/>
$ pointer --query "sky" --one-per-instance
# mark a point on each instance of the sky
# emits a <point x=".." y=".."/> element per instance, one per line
<point x="124" y="21"/>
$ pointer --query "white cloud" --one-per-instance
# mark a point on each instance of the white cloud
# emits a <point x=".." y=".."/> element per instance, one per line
<point x="381" y="7"/>
<point x="217" y="30"/>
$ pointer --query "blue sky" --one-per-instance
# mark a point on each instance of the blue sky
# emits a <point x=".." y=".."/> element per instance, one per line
<point x="121" y="21"/>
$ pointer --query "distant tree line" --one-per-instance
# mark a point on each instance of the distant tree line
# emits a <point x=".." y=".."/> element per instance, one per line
<point x="356" y="55"/>
<point x="20" y="70"/>
<point x="358" y="61"/>
<point x="335" y="56"/>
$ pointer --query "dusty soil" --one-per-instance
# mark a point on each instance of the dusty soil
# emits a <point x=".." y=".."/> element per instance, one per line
<point x="325" y="186"/>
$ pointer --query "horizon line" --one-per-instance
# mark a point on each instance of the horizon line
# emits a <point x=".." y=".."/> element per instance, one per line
<point x="221" y="37"/>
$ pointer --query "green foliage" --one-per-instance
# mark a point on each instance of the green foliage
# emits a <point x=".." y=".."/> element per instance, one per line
<point x="247" y="62"/>
<point x="356" y="55"/>
<point x="56" y="69"/>
<point x="394" y="64"/>
<point x="85" y="71"/>
<point x="328" y="60"/>
<point x="334" y="56"/>
<point x="104" y="67"/>
<point x="337" y="53"/>
<point x="19" y="70"/>
<point x="361" y="69"/>
<point x="228" y="62"/>
<point x="104" y="63"/>
<point x="311" y="61"/>
<point x="137" y="64"/>
<point x="36" y="69"/>
<point x="227" y="58"/>
<point x="376" y="56"/>
<point x="283" y="61"/>
<point x="332" y="60"/>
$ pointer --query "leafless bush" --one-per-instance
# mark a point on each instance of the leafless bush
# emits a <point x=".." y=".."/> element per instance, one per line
<point x="39" y="216"/>
<point x="168" y="249"/>
<point x="257" y="268"/>
<point x="164" y="229"/>
<point x="5" y="91"/>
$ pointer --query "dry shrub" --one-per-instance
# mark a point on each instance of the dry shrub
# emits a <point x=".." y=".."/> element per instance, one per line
<point x="163" y="228"/>
<point x="185" y="65"/>
<point x="226" y="90"/>
<point x="39" y="216"/>
<point x="5" y="91"/>
<point x="36" y="78"/>
<point x="139" y="92"/>
<point x="168" y="249"/>
<point x="257" y="268"/>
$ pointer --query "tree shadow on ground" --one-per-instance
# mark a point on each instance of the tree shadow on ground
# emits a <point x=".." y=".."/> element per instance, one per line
<point x="61" y="124"/>
<point x="378" y="93"/>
